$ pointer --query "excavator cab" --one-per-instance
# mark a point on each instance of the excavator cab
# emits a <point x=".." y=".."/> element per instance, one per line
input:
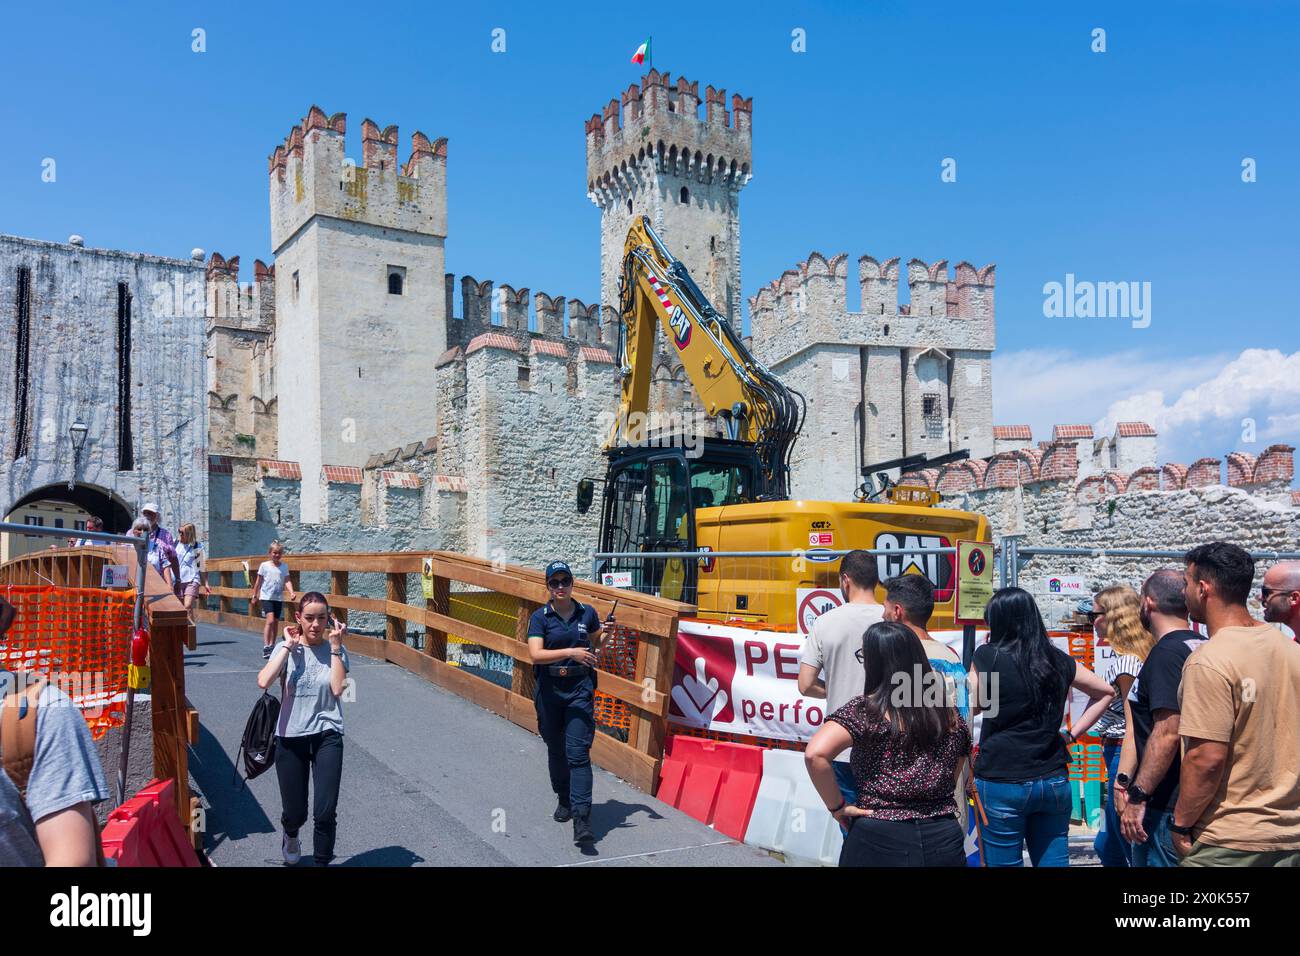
<point x="651" y="498"/>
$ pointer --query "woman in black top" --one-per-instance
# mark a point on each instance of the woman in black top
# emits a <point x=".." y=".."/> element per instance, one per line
<point x="1020" y="681"/>
<point x="909" y="744"/>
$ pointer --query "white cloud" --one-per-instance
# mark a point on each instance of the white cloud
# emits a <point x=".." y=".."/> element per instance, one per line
<point x="1196" y="405"/>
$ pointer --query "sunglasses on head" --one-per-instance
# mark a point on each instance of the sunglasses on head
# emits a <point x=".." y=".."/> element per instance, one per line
<point x="559" y="582"/>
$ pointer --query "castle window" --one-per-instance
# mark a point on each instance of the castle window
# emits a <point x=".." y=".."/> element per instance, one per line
<point x="886" y="324"/>
<point x="931" y="415"/>
<point x="713" y="243"/>
<point x="295" y="286"/>
<point x="396" y="279"/>
<point x="685" y="196"/>
<point x="21" y="369"/>
<point x="523" y="375"/>
<point x="629" y="207"/>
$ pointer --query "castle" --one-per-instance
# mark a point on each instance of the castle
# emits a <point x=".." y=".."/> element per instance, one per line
<point x="359" y="397"/>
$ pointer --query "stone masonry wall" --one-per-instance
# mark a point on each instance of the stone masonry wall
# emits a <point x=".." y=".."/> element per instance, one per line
<point x="74" y="375"/>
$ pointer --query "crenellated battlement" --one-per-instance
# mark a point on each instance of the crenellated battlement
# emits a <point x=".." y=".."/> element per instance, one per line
<point x="810" y="303"/>
<point x="659" y="122"/>
<point x="489" y="307"/>
<point x="240" y="304"/>
<point x="311" y="175"/>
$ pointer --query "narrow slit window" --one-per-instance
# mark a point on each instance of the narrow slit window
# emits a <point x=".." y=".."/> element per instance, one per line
<point x="125" y="451"/>
<point x="22" y="370"/>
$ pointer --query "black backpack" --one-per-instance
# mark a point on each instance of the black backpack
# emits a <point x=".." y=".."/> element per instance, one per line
<point x="258" y="743"/>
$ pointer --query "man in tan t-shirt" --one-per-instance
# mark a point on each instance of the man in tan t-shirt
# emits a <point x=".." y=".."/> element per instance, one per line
<point x="1239" y="792"/>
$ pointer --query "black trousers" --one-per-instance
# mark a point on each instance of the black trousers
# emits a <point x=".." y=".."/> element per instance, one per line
<point x="937" y="841"/>
<point x="320" y="756"/>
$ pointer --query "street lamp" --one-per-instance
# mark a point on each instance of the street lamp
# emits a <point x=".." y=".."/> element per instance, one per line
<point x="78" y="432"/>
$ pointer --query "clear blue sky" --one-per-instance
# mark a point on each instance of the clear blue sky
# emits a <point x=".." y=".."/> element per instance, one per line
<point x="1124" y="165"/>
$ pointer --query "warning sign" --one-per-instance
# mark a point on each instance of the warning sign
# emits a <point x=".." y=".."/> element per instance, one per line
<point x="426" y="578"/>
<point x="821" y="539"/>
<point x="974" y="581"/>
<point x="812" y="603"/>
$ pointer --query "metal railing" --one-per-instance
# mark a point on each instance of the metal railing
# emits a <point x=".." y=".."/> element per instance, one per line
<point x="141" y="546"/>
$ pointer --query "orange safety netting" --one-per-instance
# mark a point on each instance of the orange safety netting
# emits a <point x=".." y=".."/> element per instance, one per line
<point x="78" y="638"/>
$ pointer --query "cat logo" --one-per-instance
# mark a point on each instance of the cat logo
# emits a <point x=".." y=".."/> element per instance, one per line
<point x="681" y="327"/>
<point x="899" y="560"/>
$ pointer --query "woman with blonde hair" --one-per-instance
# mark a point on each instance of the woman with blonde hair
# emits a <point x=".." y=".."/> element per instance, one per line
<point x="1116" y="617"/>
<point x="192" y="576"/>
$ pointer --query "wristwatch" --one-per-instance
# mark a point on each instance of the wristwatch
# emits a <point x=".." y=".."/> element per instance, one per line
<point x="1181" y="831"/>
<point x="1136" y="794"/>
<point x="1123" y="780"/>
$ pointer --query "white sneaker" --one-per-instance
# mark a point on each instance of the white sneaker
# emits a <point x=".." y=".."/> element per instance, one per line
<point x="291" y="848"/>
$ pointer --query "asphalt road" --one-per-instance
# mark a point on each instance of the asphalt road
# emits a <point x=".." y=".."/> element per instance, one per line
<point x="429" y="779"/>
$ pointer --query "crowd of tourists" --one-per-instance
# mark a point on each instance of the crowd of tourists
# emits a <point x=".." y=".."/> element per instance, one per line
<point x="1198" y="710"/>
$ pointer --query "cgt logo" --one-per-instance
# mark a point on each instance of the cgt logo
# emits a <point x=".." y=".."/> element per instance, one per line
<point x="937" y="567"/>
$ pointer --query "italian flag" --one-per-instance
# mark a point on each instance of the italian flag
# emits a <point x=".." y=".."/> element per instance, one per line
<point x="642" y="52"/>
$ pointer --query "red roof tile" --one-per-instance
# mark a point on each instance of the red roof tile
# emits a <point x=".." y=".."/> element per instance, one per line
<point x="399" y="479"/>
<point x="550" y="348"/>
<point x="1012" y="433"/>
<point x="592" y="353"/>
<point x="1135" y="430"/>
<point x="1071" y="431"/>
<point x="492" y="340"/>
<point x="288" y="470"/>
<point x="342" y="474"/>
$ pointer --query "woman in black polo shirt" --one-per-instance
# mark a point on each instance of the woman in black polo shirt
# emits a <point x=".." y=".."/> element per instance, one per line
<point x="1021" y="683"/>
<point x="563" y="637"/>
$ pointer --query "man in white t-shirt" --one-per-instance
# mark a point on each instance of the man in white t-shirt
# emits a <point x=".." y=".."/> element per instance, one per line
<point x="833" y="649"/>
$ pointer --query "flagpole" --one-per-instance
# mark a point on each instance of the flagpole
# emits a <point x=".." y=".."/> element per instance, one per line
<point x="650" y="53"/>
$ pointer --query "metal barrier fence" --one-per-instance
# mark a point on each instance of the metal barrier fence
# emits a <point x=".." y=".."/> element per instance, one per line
<point x="141" y="546"/>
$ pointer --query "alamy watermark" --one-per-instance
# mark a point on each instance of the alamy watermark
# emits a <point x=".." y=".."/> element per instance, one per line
<point x="1084" y="299"/>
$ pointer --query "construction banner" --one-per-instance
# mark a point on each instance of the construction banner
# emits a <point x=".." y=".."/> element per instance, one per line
<point x="735" y="680"/>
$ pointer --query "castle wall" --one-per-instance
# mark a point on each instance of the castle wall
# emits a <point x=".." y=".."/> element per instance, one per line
<point x="73" y="375"/>
<point x="1049" y="515"/>
<point x="241" y="360"/>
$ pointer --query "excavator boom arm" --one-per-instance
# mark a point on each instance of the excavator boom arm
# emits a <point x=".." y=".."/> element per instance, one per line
<point x="656" y="290"/>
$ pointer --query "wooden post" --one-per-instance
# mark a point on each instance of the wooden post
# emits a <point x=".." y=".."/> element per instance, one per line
<point x="395" y="628"/>
<point x="435" y="640"/>
<point x="659" y="653"/>
<point x="339" y="586"/>
<point x="227" y="604"/>
<point x="522" y="681"/>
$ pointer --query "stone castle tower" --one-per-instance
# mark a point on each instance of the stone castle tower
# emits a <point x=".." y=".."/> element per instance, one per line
<point x="884" y="382"/>
<point x="659" y="158"/>
<point x="359" y="299"/>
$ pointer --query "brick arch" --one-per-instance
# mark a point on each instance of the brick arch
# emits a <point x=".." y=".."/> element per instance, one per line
<point x="1090" y="491"/>
<point x="961" y="476"/>
<point x="1173" y="476"/>
<point x="1276" y="463"/>
<point x="1116" y="483"/>
<point x="926" y="476"/>
<point x="1203" y="472"/>
<point x="1241" y="468"/>
<point x="1144" y="479"/>
<point x="1010" y="468"/>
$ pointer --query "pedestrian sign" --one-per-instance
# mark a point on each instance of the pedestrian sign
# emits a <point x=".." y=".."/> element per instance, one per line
<point x="974" y="581"/>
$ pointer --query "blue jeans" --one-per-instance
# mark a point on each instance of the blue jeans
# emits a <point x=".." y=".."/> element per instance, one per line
<point x="1035" y="813"/>
<point x="1158" y="850"/>
<point x="848" y="786"/>
<point x="1111" y="847"/>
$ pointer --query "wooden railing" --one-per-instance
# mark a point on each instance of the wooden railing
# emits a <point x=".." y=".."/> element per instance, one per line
<point x="653" y="620"/>
<point x="175" y="722"/>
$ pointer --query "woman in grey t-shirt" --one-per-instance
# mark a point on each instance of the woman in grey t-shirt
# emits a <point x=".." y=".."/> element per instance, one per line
<point x="310" y="731"/>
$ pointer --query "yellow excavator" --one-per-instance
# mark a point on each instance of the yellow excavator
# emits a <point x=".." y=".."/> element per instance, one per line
<point x="671" y="489"/>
